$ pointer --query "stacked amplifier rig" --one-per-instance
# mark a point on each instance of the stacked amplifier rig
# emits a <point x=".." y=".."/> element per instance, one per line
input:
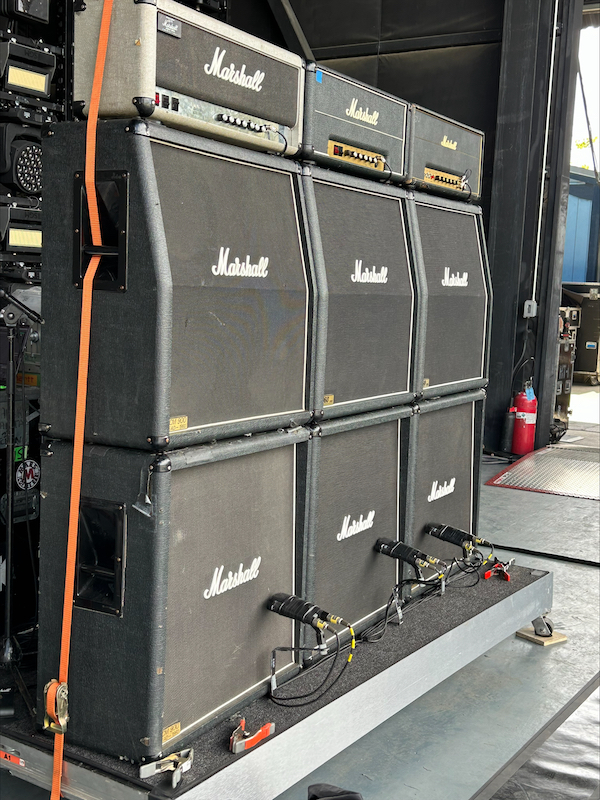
<point x="278" y="348"/>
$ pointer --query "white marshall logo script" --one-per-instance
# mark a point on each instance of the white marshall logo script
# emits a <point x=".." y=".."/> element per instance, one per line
<point x="237" y="268"/>
<point x="455" y="280"/>
<point x="233" y="75"/>
<point x="369" y="275"/>
<point x="222" y="584"/>
<point x="446" y="142"/>
<point x="438" y="491"/>
<point x="356" y="526"/>
<point x="363" y="116"/>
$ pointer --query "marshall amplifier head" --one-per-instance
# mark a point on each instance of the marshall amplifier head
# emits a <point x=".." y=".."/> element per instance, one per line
<point x="188" y="70"/>
<point x="177" y="557"/>
<point x="353" y="127"/>
<point x="367" y="293"/>
<point x="357" y="495"/>
<point x="202" y="311"/>
<point x="443" y="472"/>
<point x="455" y="310"/>
<point x="444" y="156"/>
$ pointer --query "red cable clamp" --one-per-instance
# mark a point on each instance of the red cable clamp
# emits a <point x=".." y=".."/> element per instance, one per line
<point x="241" y="740"/>
<point x="500" y="568"/>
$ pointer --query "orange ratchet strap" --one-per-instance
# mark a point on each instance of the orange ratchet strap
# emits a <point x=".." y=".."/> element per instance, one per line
<point x="57" y="691"/>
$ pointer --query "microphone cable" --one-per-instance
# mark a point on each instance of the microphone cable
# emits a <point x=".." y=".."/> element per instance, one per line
<point x="309" y="614"/>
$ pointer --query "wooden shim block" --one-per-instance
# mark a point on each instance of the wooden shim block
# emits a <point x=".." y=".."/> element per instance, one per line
<point x="531" y="636"/>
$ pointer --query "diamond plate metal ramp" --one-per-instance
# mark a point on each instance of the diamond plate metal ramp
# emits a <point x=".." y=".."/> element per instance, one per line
<point x="569" y="472"/>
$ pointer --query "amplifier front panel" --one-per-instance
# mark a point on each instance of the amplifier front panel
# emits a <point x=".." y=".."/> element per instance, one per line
<point x="371" y="295"/>
<point x="231" y="518"/>
<point x="358" y="502"/>
<point x="457" y="305"/>
<point x="239" y="348"/>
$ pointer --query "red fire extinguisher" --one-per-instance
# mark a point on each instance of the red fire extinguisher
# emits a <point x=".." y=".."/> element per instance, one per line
<point x="525" y="420"/>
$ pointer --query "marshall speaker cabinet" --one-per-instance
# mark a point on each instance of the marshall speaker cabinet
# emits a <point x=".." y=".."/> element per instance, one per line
<point x="201" y="308"/>
<point x="353" y="127"/>
<point x="177" y="557"/>
<point x="188" y="70"/>
<point x="444" y="156"/>
<point x="357" y="495"/>
<point x="443" y="471"/>
<point x="448" y="239"/>
<point x="367" y="293"/>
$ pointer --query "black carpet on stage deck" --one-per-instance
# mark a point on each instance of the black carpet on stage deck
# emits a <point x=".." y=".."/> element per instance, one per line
<point x="423" y="622"/>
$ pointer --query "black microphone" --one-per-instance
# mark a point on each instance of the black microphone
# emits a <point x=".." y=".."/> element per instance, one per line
<point x="415" y="558"/>
<point x="288" y="605"/>
<point x="454" y="535"/>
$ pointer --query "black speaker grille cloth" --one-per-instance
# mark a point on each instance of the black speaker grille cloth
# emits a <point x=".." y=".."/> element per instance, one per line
<point x="226" y="514"/>
<point x="369" y="324"/>
<point x="239" y="343"/>
<point x="276" y="100"/>
<point x="455" y="314"/>
<point x="444" y="454"/>
<point x="358" y="475"/>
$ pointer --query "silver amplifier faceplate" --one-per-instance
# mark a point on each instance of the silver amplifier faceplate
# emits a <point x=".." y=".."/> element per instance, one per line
<point x="181" y="111"/>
